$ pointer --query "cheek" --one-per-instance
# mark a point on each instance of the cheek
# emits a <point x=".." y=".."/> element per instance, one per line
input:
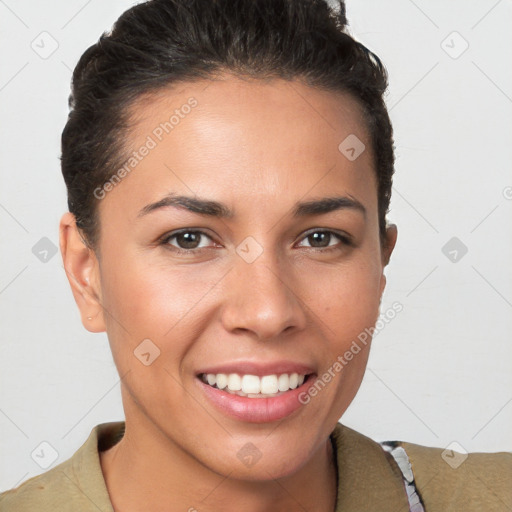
<point x="150" y="295"/>
<point x="348" y="305"/>
<point x="160" y="302"/>
<point x="347" y="299"/>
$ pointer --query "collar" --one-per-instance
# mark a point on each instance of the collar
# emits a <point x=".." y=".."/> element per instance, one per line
<point x="368" y="478"/>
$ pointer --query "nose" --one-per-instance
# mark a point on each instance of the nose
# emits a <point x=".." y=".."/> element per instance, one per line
<point x="263" y="299"/>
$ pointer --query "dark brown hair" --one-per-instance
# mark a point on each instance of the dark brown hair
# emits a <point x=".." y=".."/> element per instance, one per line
<point x="161" y="42"/>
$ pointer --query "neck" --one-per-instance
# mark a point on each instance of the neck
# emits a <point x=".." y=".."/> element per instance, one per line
<point x="147" y="471"/>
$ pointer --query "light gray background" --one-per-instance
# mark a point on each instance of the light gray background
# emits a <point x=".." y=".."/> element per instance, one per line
<point x="440" y="372"/>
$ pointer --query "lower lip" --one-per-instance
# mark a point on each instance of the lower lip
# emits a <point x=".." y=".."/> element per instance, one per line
<point x="256" y="410"/>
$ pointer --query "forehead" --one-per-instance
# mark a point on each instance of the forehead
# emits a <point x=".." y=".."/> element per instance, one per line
<point x="237" y="139"/>
<point x="255" y="104"/>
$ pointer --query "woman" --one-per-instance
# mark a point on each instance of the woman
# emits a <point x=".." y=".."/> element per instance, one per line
<point x="229" y="168"/>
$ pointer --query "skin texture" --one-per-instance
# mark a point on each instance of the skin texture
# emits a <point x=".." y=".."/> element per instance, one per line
<point x="259" y="147"/>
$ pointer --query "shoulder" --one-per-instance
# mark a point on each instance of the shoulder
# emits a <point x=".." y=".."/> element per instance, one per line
<point x="430" y="479"/>
<point x="368" y="478"/>
<point x="75" y="484"/>
<point x="447" y="480"/>
<point x="40" y="492"/>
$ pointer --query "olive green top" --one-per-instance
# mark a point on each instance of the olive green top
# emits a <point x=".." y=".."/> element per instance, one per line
<point x="368" y="479"/>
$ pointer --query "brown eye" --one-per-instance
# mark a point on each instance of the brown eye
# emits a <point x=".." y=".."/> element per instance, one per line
<point x="319" y="239"/>
<point x="187" y="240"/>
<point x="325" y="239"/>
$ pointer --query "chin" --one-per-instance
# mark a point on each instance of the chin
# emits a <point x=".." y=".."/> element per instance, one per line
<point x="265" y="457"/>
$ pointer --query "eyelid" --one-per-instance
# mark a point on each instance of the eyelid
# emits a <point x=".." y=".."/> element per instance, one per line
<point x="343" y="237"/>
<point x="168" y="236"/>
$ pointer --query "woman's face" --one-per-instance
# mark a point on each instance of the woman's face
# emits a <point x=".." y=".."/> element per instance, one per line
<point x="220" y="255"/>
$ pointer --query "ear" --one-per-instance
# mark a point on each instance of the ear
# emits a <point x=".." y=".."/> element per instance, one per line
<point x="387" y="249"/>
<point x="82" y="270"/>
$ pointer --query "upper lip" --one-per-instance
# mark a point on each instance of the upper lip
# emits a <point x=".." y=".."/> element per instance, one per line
<point x="259" y="368"/>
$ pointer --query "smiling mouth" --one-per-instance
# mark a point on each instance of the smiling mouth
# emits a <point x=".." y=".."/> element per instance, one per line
<point x="253" y="386"/>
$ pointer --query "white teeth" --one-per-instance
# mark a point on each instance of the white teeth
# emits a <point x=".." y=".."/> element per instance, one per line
<point x="253" y="386"/>
<point x="234" y="382"/>
<point x="269" y="384"/>
<point x="222" y="380"/>
<point x="283" y="382"/>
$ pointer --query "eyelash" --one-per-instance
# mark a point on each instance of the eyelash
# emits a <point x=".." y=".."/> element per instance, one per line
<point x="344" y="239"/>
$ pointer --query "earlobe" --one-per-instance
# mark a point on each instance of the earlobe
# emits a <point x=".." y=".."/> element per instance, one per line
<point x="82" y="270"/>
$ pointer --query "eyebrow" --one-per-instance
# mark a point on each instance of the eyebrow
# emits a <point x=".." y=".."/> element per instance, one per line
<point x="215" y="209"/>
<point x="327" y="205"/>
<point x="192" y="204"/>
